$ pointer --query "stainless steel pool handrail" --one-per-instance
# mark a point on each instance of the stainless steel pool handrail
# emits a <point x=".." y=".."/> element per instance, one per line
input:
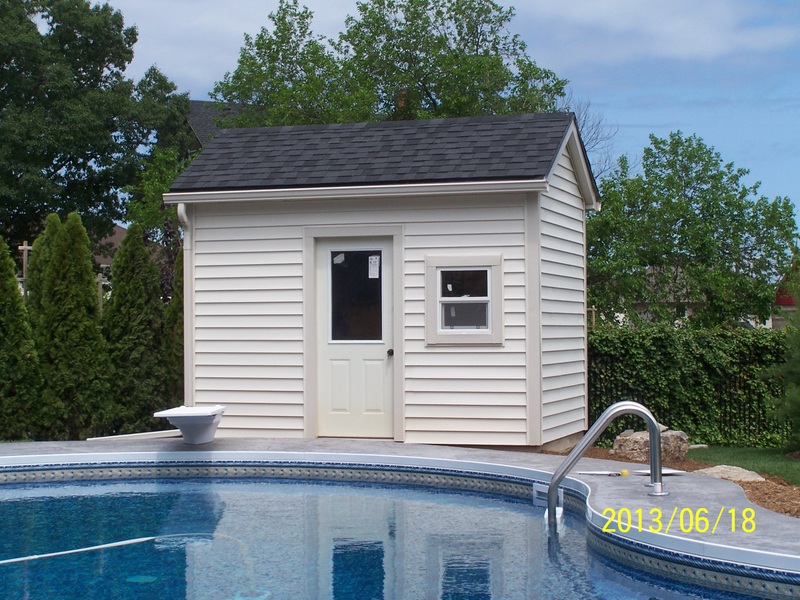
<point x="618" y="409"/>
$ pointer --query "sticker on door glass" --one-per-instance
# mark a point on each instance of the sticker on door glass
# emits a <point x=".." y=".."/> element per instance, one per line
<point x="375" y="266"/>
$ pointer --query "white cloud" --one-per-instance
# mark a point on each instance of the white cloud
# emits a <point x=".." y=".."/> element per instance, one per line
<point x="614" y="31"/>
<point x="195" y="42"/>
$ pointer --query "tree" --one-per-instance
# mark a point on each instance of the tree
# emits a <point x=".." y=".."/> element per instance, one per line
<point x="133" y="324"/>
<point x="289" y="76"/>
<point x="159" y="221"/>
<point x="173" y="331"/>
<point x="73" y="130"/>
<point x="399" y="59"/>
<point x="596" y="134"/>
<point x="37" y="269"/>
<point x="687" y="234"/>
<point x="444" y="58"/>
<point x="73" y="353"/>
<point x="20" y="379"/>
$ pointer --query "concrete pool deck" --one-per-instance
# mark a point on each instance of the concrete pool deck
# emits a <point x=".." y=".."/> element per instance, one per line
<point x="759" y="540"/>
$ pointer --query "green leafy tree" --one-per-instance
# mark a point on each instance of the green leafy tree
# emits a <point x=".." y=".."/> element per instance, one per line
<point x="398" y="59"/>
<point x="289" y="76"/>
<point x="74" y="131"/>
<point x="159" y="221"/>
<point x="73" y="353"/>
<point x="173" y="326"/>
<point x="20" y="378"/>
<point x="687" y="236"/>
<point x="133" y="324"/>
<point x="444" y="58"/>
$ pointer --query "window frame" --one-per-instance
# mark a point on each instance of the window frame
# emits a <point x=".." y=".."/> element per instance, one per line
<point x="435" y="335"/>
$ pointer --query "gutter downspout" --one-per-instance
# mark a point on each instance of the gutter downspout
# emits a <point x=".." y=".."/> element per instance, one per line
<point x="188" y="305"/>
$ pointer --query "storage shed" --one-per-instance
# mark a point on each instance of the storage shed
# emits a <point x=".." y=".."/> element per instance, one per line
<point x="422" y="281"/>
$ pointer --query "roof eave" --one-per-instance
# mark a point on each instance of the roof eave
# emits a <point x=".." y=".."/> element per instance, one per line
<point x="360" y="191"/>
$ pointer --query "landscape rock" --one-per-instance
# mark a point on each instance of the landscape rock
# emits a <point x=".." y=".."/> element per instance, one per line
<point x="636" y="446"/>
<point x="731" y="473"/>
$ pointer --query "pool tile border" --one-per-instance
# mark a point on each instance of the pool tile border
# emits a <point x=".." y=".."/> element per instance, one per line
<point x="504" y="485"/>
<point x="715" y="574"/>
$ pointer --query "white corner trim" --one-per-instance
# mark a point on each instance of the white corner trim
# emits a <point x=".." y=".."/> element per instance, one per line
<point x="358" y="191"/>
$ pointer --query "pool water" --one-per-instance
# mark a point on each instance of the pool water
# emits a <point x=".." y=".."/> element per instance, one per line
<point x="218" y="539"/>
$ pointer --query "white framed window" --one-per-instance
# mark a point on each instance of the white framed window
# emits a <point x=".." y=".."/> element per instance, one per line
<point x="463" y="300"/>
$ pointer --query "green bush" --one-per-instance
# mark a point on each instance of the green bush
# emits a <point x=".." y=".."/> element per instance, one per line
<point x="710" y="383"/>
<point x="788" y="373"/>
<point x="37" y="270"/>
<point x="20" y="379"/>
<point x="133" y="324"/>
<point x="72" y="350"/>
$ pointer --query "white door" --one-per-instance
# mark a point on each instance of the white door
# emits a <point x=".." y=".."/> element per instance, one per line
<point x="354" y="333"/>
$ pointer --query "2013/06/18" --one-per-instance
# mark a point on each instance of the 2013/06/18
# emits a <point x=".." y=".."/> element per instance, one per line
<point x="689" y="520"/>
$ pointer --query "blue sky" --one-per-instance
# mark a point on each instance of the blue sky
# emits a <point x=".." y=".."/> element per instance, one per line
<point x="725" y="70"/>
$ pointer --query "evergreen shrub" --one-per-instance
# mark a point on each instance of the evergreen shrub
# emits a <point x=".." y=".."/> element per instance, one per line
<point x="20" y="379"/>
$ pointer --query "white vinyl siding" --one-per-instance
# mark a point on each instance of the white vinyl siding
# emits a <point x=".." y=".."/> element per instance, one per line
<point x="249" y="323"/>
<point x="563" y="305"/>
<point x="467" y="395"/>
<point x="248" y="314"/>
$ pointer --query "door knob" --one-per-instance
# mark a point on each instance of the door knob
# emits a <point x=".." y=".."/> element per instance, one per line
<point x="390" y="352"/>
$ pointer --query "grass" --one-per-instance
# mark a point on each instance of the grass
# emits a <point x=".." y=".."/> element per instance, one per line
<point x="763" y="460"/>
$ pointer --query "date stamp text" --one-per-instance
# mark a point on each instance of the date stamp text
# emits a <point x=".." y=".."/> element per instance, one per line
<point x="685" y="520"/>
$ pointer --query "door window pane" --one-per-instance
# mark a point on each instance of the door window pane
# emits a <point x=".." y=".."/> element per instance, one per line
<point x="356" y="295"/>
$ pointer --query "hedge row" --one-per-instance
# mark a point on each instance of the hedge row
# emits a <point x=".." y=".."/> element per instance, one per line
<point x="712" y="384"/>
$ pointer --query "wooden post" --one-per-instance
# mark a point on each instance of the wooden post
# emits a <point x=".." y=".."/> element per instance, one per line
<point x="24" y="279"/>
<point x="100" y="279"/>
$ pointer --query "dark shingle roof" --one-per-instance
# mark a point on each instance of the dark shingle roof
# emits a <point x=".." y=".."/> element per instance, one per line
<point x="433" y="151"/>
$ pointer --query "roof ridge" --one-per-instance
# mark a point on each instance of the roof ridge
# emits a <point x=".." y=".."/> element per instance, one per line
<point x="413" y="123"/>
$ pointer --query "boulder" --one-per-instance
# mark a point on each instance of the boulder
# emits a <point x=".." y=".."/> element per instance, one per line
<point x="635" y="446"/>
<point x="731" y="473"/>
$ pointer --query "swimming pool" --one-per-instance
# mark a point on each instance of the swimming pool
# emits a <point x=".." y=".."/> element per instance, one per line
<point x="242" y="537"/>
<point x="766" y="563"/>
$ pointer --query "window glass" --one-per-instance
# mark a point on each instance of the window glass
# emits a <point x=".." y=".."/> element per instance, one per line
<point x="356" y="300"/>
<point x="473" y="283"/>
<point x="465" y="315"/>
<point x="464" y="298"/>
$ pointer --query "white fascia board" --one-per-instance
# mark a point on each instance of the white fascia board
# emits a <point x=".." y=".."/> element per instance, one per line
<point x="583" y="172"/>
<point x="360" y="191"/>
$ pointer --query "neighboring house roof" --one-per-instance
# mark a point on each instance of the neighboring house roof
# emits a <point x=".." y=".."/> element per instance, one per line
<point x="783" y="296"/>
<point x="202" y="118"/>
<point x="109" y="246"/>
<point x="471" y="149"/>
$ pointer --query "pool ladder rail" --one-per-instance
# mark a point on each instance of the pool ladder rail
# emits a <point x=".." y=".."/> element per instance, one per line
<point x="555" y="514"/>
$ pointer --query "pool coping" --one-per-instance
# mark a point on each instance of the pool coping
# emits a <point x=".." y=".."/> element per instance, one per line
<point x="749" y="562"/>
